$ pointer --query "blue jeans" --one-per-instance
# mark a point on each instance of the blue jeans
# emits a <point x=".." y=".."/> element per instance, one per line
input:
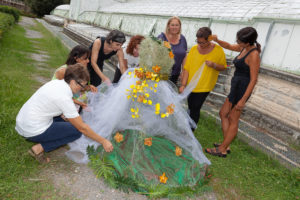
<point x="59" y="133"/>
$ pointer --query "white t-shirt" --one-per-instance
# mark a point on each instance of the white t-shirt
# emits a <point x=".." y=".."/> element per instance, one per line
<point x="131" y="60"/>
<point x="51" y="100"/>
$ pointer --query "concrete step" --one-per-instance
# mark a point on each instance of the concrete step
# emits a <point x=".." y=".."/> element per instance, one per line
<point x="261" y="140"/>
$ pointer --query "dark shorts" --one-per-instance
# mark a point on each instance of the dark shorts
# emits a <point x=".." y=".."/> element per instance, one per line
<point x="238" y="88"/>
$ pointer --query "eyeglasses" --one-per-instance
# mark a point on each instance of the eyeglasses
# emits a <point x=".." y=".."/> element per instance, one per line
<point x="201" y="43"/>
<point x="83" y="87"/>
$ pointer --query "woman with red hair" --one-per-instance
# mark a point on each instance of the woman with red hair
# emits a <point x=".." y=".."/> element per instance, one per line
<point x="131" y="56"/>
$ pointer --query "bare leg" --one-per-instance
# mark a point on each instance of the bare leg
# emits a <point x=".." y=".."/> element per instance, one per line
<point x="231" y="132"/>
<point x="224" y="115"/>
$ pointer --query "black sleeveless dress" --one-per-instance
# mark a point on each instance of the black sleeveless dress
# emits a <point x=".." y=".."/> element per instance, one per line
<point x="240" y="79"/>
<point x="94" y="78"/>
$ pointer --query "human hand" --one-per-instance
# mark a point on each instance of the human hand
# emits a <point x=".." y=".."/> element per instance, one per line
<point x="240" y="105"/>
<point x="214" y="38"/>
<point x="106" y="80"/>
<point x="181" y="89"/>
<point x="210" y="64"/>
<point x="87" y="109"/>
<point x="93" y="88"/>
<point x="107" y="145"/>
<point x="83" y="105"/>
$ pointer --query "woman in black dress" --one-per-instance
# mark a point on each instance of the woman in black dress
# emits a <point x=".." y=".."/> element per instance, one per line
<point x="247" y="65"/>
<point x="103" y="48"/>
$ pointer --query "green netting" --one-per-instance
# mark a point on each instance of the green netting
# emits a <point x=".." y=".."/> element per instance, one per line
<point x="144" y="164"/>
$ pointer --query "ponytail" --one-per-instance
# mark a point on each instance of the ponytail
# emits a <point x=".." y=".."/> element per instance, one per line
<point x="258" y="46"/>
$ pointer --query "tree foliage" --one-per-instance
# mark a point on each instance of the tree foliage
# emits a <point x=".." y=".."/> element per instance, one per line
<point x="44" y="7"/>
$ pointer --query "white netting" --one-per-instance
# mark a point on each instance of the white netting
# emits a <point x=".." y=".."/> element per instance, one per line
<point x="110" y="111"/>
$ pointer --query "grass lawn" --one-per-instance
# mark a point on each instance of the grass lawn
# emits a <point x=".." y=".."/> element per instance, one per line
<point x="244" y="174"/>
<point x="17" y="70"/>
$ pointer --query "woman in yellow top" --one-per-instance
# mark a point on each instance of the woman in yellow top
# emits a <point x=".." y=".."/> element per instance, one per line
<point x="214" y="58"/>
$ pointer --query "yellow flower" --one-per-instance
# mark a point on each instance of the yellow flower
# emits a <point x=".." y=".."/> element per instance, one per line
<point x="147" y="95"/>
<point x="132" y="110"/>
<point x="163" y="178"/>
<point x="118" y="137"/>
<point x="171" y="55"/>
<point x="155" y="85"/>
<point x="178" y="151"/>
<point x="149" y="102"/>
<point x="163" y="115"/>
<point x="167" y="44"/>
<point x="145" y="101"/>
<point x="148" y="142"/>
<point x="128" y="97"/>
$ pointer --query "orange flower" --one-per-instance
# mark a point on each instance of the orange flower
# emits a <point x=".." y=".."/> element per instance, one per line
<point x="141" y="98"/>
<point x="170" y="109"/>
<point x="171" y="55"/>
<point x="163" y="178"/>
<point x="178" y="151"/>
<point x="167" y="44"/>
<point x="156" y="69"/>
<point x="138" y="82"/>
<point x="140" y="75"/>
<point x="118" y="137"/>
<point x="148" y="75"/>
<point x="148" y="141"/>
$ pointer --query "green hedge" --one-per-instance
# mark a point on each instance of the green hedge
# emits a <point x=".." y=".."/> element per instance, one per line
<point x="10" y="10"/>
<point x="6" y="20"/>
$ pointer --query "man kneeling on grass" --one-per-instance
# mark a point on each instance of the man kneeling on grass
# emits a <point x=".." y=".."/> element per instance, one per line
<point x="39" y="119"/>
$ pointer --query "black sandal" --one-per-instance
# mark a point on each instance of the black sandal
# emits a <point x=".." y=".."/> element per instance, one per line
<point x="218" y="144"/>
<point x="215" y="152"/>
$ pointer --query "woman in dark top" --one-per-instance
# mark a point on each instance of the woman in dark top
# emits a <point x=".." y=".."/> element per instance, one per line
<point x="102" y="49"/>
<point x="247" y="65"/>
<point x="178" y="44"/>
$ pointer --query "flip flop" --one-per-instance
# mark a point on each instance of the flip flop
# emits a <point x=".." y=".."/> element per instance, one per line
<point x="215" y="152"/>
<point x="39" y="157"/>
<point x="218" y="144"/>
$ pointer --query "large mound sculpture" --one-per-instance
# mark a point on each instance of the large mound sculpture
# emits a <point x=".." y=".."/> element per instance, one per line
<point x="155" y="152"/>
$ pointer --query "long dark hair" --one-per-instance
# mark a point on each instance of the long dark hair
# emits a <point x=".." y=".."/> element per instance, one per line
<point x="77" y="52"/>
<point x="248" y="35"/>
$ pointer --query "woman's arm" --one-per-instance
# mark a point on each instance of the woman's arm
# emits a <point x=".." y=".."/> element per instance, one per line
<point x="120" y="55"/>
<point x="83" y="105"/>
<point x="215" y="65"/>
<point x="94" y="58"/>
<point x="86" y="130"/>
<point x="226" y="45"/>
<point x="254" y="64"/>
<point x="184" y="80"/>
